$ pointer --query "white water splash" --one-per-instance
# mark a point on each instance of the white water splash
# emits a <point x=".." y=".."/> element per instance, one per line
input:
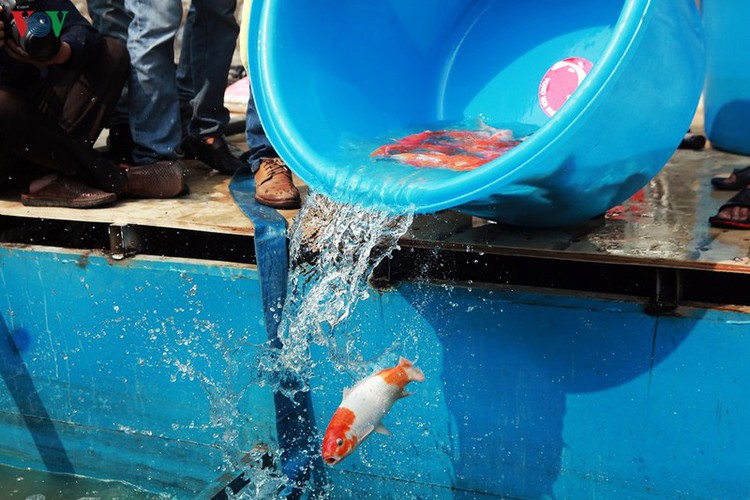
<point x="334" y="249"/>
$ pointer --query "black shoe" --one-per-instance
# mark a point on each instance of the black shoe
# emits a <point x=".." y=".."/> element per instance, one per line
<point x="214" y="152"/>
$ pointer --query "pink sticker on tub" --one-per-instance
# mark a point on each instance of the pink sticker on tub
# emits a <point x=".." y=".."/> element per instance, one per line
<point x="561" y="80"/>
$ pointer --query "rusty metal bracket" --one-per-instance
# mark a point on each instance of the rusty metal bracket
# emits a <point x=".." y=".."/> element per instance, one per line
<point x="124" y="241"/>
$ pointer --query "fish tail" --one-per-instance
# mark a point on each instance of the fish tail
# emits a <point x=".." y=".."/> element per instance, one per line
<point x="414" y="373"/>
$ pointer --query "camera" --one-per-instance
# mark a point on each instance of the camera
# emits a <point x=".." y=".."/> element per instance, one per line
<point x="32" y="30"/>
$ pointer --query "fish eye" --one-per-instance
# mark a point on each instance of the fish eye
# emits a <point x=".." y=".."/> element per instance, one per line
<point x="339" y="442"/>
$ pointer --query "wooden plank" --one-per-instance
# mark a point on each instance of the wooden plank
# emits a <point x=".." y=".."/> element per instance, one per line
<point x="666" y="224"/>
<point x="208" y="208"/>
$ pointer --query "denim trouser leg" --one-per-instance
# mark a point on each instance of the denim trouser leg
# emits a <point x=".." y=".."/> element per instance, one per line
<point x="211" y="33"/>
<point x="110" y="18"/>
<point x="185" y="88"/>
<point x="257" y="142"/>
<point x="154" y="108"/>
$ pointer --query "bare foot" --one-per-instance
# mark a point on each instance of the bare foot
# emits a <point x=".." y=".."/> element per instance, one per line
<point x="740" y="214"/>
<point x="41" y="183"/>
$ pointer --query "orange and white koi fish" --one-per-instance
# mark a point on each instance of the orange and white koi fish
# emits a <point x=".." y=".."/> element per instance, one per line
<point x="454" y="149"/>
<point x="363" y="408"/>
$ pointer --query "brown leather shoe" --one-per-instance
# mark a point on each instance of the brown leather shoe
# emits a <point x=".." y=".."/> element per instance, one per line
<point x="274" y="186"/>
<point x="162" y="179"/>
<point x="68" y="192"/>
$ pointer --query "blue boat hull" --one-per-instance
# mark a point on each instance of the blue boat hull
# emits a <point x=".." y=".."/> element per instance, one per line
<point x="146" y="371"/>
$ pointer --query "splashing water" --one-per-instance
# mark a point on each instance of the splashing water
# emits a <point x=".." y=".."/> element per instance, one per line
<point x="334" y="249"/>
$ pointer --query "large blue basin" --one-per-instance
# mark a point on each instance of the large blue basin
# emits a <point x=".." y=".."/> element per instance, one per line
<point x="727" y="74"/>
<point x="334" y="79"/>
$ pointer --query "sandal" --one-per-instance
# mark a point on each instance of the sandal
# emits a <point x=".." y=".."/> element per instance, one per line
<point x="741" y="199"/>
<point x="741" y="180"/>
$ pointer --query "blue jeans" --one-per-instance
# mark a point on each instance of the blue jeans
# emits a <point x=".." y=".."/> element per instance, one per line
<point x="210" y="40"/>
<point x="110" y="18"/>
<point x="257" y="142"/>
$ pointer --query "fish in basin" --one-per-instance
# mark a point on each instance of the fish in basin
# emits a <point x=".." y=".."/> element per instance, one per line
<point x="363" y="408"/>
<point x="454" y="149"/>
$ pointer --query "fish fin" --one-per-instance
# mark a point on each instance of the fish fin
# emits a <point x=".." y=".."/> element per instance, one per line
<point x="414" y="373"/>
<point x="402" y="361"/>
<point x="347" y="391"/>
<point x="367" y="431"/>
<point x="405" y="394"/>
<point x="380" y="429"/>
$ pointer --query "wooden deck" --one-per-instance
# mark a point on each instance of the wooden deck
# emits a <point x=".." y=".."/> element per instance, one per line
<point x="663" y="225"/>
<point x="208" y="208"/>
<point x="666" y="224"/>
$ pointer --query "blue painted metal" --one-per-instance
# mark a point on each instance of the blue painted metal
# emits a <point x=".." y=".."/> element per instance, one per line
<point x="727" y="93"/>
<point x="142" y="366"/>
<point x="531" y="395"/>
<point x="295" y="419"/>
<point x="528" y="394"/>
<point x="21" y="388"/>
<point x="378" y="70"/>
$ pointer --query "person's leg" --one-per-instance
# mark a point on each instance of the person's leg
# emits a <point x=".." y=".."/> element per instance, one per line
<point x="185" y="87"/>
<point x="110" y="18"/>
<point x="258" y="145"/>
<point x="30" y="135"/>
<point x="209" y="42"/>
<point x="154" y="106"/>
<point x="211" y="37"/>
<point x="82" y="102"/>
<point x="76" y="105"/>
<point x="274" y="185"/>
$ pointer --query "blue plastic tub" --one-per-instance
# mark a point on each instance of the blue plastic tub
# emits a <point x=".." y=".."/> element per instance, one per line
<point x="727" y="93"/>
<point x="335" y="79"/>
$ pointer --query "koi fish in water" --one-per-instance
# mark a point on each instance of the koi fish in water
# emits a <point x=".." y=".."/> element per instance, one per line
<point x="454" y="149"/>
<point x="363" y="408"/>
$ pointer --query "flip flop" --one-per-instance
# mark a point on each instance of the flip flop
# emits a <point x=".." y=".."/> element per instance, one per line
<point x="741" y="199"/>
<point x="742" y="180"/>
